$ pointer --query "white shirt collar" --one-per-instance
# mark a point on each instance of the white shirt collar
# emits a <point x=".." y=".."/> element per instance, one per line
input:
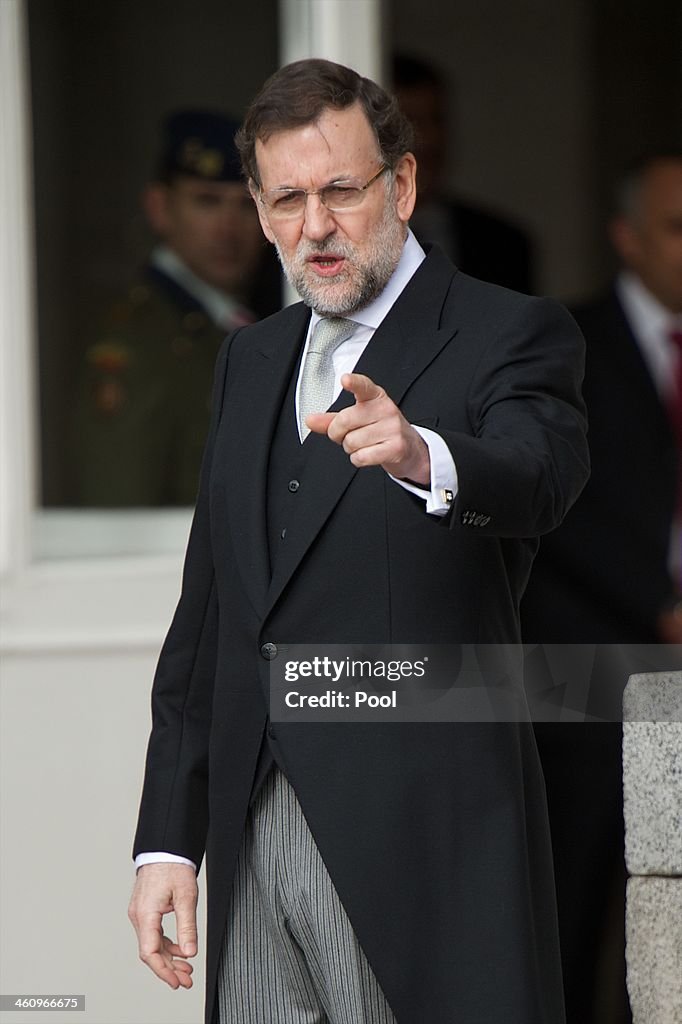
<point x="221" y="308"/>
<point x="650" y="322"/>
<point x="645" y="313"/>
<point x="373" y="314"/>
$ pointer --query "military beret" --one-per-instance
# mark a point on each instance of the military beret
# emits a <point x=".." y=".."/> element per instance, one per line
<point x="200" y="144"/>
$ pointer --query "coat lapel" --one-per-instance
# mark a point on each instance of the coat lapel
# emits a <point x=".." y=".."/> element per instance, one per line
<point x="402" y="347"/>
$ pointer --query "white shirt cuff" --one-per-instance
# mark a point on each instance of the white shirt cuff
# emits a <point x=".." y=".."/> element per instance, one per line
<point x="444" y="482"/>
<point x="162" y="858"/>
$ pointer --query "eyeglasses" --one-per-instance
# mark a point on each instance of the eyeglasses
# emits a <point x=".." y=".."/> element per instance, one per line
<point x="289" y="203"/>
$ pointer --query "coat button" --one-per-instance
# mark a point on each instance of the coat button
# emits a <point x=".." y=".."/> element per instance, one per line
<point x="294" y="486"/>
<point x="269" y="651"/>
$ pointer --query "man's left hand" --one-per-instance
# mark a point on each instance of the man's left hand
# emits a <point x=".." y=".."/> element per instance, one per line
<point x="374" y="432"/>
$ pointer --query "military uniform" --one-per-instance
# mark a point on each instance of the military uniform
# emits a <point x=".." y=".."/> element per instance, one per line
<point x="143" y="412"/>
<point x="143" y="409"/>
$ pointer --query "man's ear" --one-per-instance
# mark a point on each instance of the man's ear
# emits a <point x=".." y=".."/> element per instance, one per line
<point x="262" y="216"/>
<point x="406" y="186"/>
<point x="155" y="200"/>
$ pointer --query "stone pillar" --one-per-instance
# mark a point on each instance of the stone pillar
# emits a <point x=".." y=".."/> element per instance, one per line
<point x="652" y="778"/>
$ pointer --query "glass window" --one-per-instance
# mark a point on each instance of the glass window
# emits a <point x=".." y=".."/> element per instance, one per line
<point x="148" y="248"/>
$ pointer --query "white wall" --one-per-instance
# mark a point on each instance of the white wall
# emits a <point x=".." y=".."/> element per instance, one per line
<point x="72" y="740"/>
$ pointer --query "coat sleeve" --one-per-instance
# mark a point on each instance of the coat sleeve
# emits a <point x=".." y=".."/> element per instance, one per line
<point x="174" y="806"/>
<point x="526" y="460"/>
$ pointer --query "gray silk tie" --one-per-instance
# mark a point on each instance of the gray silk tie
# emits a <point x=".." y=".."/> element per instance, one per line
<point x="317" y="379"/>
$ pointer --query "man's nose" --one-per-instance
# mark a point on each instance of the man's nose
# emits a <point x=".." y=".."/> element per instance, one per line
<point x="318" y="221"/>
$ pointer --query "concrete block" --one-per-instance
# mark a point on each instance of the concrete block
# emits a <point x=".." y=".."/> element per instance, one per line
<point x="652" y="774"/>
<point x="654" y="949"/>
<point x="653" y="697"/>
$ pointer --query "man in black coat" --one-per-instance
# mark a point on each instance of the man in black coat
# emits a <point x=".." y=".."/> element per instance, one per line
<point x="406" y="514"/>
<point x="611" y="575"/>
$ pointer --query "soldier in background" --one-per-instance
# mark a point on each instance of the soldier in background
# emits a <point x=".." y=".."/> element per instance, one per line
<point x="143" y="411"/>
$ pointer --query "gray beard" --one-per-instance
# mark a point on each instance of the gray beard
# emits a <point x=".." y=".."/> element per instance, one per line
<point x="351" y="290"/>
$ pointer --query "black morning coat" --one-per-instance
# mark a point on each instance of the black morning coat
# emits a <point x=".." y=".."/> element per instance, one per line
<point x="435" y="834"/>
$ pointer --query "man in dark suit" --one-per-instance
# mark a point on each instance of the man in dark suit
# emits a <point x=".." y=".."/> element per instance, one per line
<point x="359" y="871"/>
<point x="479" y="241"/>
<point x="611" y="574"/>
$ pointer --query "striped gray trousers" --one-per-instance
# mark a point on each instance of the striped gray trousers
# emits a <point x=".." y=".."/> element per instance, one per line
<point x="290" y="955"/>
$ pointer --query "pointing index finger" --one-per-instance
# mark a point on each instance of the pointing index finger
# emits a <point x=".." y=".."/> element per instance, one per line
<point x="361" y="386"/>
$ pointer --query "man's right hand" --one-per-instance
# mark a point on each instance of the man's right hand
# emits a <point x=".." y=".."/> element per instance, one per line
<point x="162" y="889"/>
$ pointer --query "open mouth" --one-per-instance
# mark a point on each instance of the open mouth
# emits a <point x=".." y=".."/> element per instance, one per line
<point x="327" y="264"/>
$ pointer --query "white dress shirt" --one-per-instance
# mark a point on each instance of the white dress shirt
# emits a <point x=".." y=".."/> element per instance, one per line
<point x="443" y="471"/>
<point x="651" y="323"/>
<point x="345" y="357"/>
